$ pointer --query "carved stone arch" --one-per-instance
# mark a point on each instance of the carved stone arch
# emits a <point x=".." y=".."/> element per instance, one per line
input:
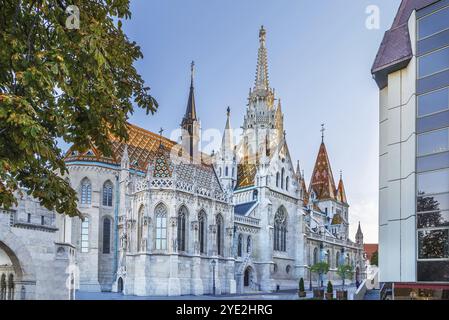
<point x="19" y="255"/>
<point x="159" y="204"/>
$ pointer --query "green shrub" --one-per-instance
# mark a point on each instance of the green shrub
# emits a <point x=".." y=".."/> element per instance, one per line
<point x="330" y="287"/>
<point x="301" y="285"/>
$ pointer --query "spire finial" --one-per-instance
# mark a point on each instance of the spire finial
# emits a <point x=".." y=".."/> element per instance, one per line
<point x="161" y="131"/>
<point x="322" y="132"/>
<point x="341" y="174"/>
<point x="192" y="72"/>
<point x="262" y="34"/>
<point x="228" y="111"/>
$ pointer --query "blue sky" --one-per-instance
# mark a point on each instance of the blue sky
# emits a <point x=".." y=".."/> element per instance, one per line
<point x="319" y="52"/>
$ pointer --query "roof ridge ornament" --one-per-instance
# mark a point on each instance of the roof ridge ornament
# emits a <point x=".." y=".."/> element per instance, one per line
<point x="322" y="132"/>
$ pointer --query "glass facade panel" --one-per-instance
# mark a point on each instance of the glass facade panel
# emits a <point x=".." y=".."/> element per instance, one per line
<point x="433" y="244"/>
<point x="433" y="23"/>
<point x="433" y="203"/>
<point x="433" y="162"/>
<point x="433" y="182"/>
<point x="432" y="152"/>
<point x="433" y="102"/>
<point x="434" y="62"/>
<point x="433" y="122"/>
<point x="433" y="142"/>
<point x="433" y="219"/>
<point x="433" y="271"/>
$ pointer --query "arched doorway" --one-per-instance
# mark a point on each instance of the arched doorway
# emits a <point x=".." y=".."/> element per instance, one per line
<point x="248" y="277"/>
<point x="120" y="285"/>
<point x="17" y="265"/>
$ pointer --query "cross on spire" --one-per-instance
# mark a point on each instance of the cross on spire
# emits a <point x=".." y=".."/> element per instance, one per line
<point x="322" y="132"/>
<point x="161" y="131"/>
<point x="192" y="72"/>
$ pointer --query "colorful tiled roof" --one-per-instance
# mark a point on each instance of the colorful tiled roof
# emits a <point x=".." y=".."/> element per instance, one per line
<point x="322" y="182"/>
<point x="341" y="193"/>
<point x="337" y="219"/>
<point x="143" y="146"/>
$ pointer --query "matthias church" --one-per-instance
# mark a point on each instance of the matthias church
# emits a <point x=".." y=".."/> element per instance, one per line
<point x="162" y="218"/>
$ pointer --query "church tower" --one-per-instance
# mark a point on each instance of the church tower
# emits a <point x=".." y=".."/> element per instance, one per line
<point x="263" y="122"/>
<point x="190" y="124"/>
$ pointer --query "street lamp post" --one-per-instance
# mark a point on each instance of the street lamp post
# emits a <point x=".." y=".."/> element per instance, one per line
<point x="213" y="276"/>
<point x="310" y="278"/>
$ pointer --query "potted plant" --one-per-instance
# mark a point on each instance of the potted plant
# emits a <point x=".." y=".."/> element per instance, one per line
<point x="301" y="291"/>
<point x="321" y="268"/>
<point x="330" y="291"/>
<point x="344" y="272"/>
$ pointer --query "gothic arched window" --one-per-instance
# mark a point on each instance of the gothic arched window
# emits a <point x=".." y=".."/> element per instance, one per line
<point x="328" y="258"/>
<point x="280" y="230"/>
<point x="202" y="231"/>
<point x="182" y="217"/>
<point x="220" y="234"/>
<point x="239" y="245"/>
<point x="107" y="194"/>
<point x="277" y="180"/>
<point x="85" y="235"/>
<point x="248" y="244"/>
<point x="315" y="256"/>
<point x="107" y="235"/>
<point x="287" y="181"/>
<point x="161" y="227"/>
<point x="337" y="259"/>
<point x="226" y="171"/>
<point x="86" y="191"/>
<point x="282" y="178"/>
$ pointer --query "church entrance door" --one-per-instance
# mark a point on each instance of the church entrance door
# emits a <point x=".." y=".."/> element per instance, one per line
<point x="120" y="285"/>
<point x="247" y="277"/>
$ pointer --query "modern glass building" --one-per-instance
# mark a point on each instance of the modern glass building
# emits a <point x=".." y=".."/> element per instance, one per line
<point x="412" y="72"/>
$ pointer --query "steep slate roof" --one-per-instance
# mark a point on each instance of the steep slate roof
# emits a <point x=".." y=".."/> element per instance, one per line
<point x="341" y="193"/>
<point x="322" y="182"/>
<point x="395" y="51"/>
<point x="242" y="209"/>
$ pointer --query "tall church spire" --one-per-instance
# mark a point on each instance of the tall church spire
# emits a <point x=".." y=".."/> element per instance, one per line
<point x="341" y="193"/>
<point x="227" y="141"/>
<point x="261" y="82"/>
<point x="190" y="124"/>
<point x="191" y="109"/>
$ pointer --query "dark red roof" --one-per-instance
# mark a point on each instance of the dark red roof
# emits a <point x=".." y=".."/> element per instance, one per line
<point x="395" y="51"/>
<point x="370" y="248"/>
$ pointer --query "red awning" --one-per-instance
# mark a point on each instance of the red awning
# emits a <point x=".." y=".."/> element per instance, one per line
<point x="429" y="286"/>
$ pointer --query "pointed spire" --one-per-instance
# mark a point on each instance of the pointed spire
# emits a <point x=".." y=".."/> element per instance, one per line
<point x="191" y="108"/>
<point x="279" y="120"/>
<point x="322" y="182"/>
<point x="298" y="170"/>
<point x="359" y="235"/>
<point x="227" y="141"/>
<point x="341" y="192"/>
<point x="262" y="63"/>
